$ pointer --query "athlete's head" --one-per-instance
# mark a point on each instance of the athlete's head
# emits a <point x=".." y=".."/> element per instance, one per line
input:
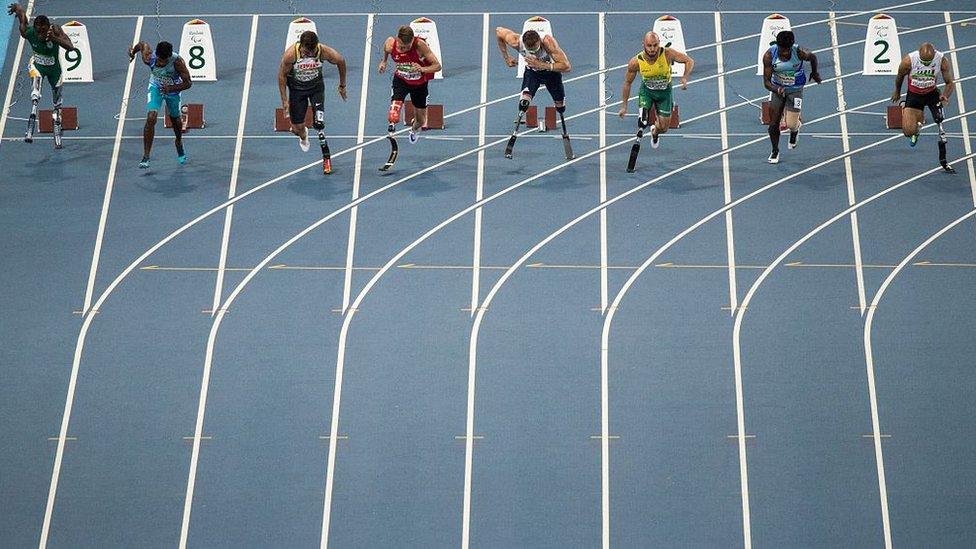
<point x="926" y="52"/>
<point x="308" y="40"/>
<point x="532" y="41"/>
<point x="42" y="25"/>
<point x="652" y="44"/>
<point x="164" y="50"/>
<point x="785" y="39"/>
<point x="404" y="37"/>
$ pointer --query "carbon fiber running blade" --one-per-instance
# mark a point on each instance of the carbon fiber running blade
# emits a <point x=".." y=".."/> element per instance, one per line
<point x="632" y="163"/>
<point x="394" y="152"/>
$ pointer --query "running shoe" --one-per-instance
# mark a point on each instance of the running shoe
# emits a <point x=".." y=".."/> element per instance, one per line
<point x="413" y="136"/>
<point x="181" y="155"/>
<point x="304" y="143"/>
<point x="913" y="140"/>
<point x="794" y="136"/>
<point x="655" y="139"/>
<point x="144" y="163"/>
<point x="773" y="157"/>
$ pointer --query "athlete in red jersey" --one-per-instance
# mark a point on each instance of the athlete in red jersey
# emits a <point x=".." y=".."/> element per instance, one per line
<point x="415" y="64"/>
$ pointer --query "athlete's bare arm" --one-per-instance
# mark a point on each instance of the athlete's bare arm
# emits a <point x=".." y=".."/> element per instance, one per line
<point x="388" y="46"/>
<point x="141" y="48"/>
<point x="60" y="38"/>
<point x="427" y="54"/>
<point x="560" y="62"/>
<point x="903" y="69"/>
<point x="950" y="83"/>
<point x="632" y="67"/>
<point x="507" y="39"/>
<point x="807" y="55"/>
<point x="768" y="74"/>
<point x="675" y="56"/>
<point x="184" y="73"/>
<point x="334" y="57"/>
<point x="16" y="10"/>
<point x="287" y="63"/>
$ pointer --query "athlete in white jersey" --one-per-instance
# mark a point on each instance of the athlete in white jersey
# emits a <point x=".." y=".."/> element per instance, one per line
<point x="923" y="68"/>
<point x="545" y="63"/>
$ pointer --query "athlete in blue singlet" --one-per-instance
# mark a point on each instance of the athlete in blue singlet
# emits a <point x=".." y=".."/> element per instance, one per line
<point x="169" y="76"/>
<point x="784" y="77"/>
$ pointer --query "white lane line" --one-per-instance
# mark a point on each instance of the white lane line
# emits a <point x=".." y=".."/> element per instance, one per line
<point x="480" y="190"/>
<point x="109" y="183"/>
<point x="604" y="291"/>
<point x="967" y="146"/>
<point x="11" y="84"/>
<point x="848" y="13"/>
<point x="726" y="176"/>
<point x="198" y="430"/>
<point x="782" y="257"/>
<point x="604" y="253"/>
<point x="59" y="453"/>
<point x="235" y="169"/>
<point x="869" y="363"/>
<point x="357" y="172"/>
<point x="848" y="171"/>
<point x="615" y="304"/>
<point x="90" y="317"/>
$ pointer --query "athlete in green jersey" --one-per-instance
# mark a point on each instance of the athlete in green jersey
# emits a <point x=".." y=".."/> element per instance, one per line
<point x="45" y="40"/>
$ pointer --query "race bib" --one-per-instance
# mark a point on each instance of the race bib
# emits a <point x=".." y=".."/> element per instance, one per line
<point x="407" y="73"/>
<point x="657" y="83"/>
<point x="44" y="60"/>
<point x="797" y="103"/>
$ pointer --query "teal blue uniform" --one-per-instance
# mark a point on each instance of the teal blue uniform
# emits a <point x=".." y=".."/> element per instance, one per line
<point x="163" y="76"/>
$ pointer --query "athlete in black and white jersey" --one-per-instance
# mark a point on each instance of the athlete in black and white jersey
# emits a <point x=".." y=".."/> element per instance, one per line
<point x="300" y="74"/>
<point x="545" y="62"/>
<point x="923" y="68"/>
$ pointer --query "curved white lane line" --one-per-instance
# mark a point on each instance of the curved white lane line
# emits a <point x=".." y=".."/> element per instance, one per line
<point x="350" y="312"/>
<point x="91" y="312"/>
<point x="869" y="364"/>
<point x="736" y="331"/>
<point x="605" y="338"/>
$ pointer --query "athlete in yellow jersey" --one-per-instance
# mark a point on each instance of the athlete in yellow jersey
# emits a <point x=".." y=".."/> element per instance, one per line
<point x="653" y="63"/>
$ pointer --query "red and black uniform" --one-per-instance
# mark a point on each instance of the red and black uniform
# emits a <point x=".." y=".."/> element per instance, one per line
<point x="407" y="81"/>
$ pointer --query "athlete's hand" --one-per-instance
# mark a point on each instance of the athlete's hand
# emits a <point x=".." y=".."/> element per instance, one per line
<point x="815" y="77"/>
<point x="943" y="99"/>
<point x="414" y="67"/>
<point x="342" y="91"/>
<point x="382" y="68"/>
<point x="284" y="106"/>
<point x="13" y="8"/>
<point x="622" y="112"/>
<point x="684" y="82"/>
<point x="535" y="63"/>
<point x="510" y="61"/>
<point x="895" y="96"/>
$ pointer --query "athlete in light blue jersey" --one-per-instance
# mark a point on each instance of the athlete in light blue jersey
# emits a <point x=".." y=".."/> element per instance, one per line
<point x="169" y="76"/>
<point x="784" y="77"/>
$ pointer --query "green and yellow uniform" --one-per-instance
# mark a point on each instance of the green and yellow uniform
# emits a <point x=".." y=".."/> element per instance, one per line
<point x="656" y="84"/>
<point x="46" y="60"/>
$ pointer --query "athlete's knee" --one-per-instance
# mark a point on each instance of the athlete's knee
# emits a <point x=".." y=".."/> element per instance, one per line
<point x="151" y="118"/>
<point x="663" y="123"/>
<point x="318" y="122"/>
<point x="644" y="118"/>
<point x="524" y="103"/>
<point x="394" y="114"/>
<point x="560" y="107"/>
<point x="793" y="122"/>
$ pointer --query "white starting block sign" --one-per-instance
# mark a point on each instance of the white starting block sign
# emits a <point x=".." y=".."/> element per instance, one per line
<point x="771" y="26"/>
<point x="296" y="28"/>
<point x="540" y="25"/>
<point x="669" y="29"/>
<point x="197" y="50"/>
<point x="427" y="29"/>
<point x="882" y="52"/>
<point x="77" y="63"/>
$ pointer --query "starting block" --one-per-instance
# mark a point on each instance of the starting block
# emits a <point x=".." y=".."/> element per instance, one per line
<point x="435" y="116"/>
<point x="532" y="117"/>
<point x="675" y="118"/>
<point x="764" y="116"/>
<point x="69" y="119"/>
<point x="550" y="121"/>
<point x="191" y="115"/>
<point x="893" y="117"/>
<point x="283" y="124"/>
